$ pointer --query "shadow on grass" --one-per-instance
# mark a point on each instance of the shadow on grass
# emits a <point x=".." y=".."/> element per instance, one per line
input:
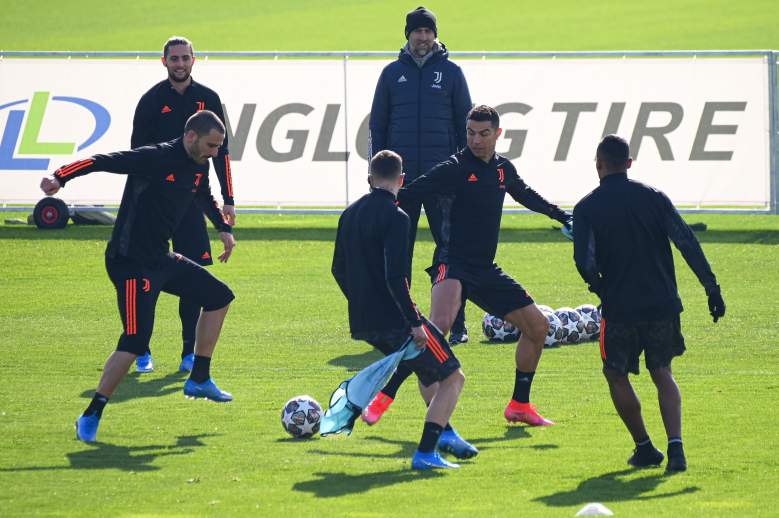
<point x="102" y="455"/>
<point x="328" y="485"/>
<point x="355" y="362"/>
<point x="541" y="234"/>
<point x="132" y="386"/>
<point x="612" y="487"/>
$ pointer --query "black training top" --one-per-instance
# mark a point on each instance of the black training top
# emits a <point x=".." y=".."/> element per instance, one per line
<point x="621" y="249"/>
<point x="470" y="194"/>
<point x="371" y="266"/>
<point x="161" y="114"/>
<point x="163" y="180"/>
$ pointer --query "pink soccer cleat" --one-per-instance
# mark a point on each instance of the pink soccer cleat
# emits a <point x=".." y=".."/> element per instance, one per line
<point x="517" y="412"/>
<point x="376" y="409"/>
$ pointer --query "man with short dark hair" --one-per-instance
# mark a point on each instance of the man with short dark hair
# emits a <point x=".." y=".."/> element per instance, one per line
<point x="418" y="111"/>
<point x="622" y="251"/>
<point x="159" y="117"/>
<point x="471" y="187"/>
<point x="371" y="266"/>
<point x="163" y="180"/>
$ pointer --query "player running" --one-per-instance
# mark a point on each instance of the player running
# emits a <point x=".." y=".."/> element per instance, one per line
<point x="161" y="113"/>
<point x="371" y="266"/>
<point x="162" y="182"/>
<point x="622" y="252"/>
<point x="471" y="187"/>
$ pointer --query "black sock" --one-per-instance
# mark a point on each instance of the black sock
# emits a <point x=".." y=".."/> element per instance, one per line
<point x="522" y="382"/>
<point x="189" y="314"/>
<point x="675" y="445"/>
<point x="430" y="435"/>
<point x="187" y="348"/>
<point x="645" y="443"/>
<point x="97" y="405"/>
<point x="397" y="379"/>
<point x="201" y="370"/>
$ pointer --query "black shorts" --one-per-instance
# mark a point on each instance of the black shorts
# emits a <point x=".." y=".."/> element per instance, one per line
<point x="489" y="287"/>
<point x="621" y="344"/>
<point x="432" y="365"/>
<point x="138" y="287"/>
<point x="190" y="238"/>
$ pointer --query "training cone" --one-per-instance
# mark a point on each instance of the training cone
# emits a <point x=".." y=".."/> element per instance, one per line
<point x="594" y="509"/>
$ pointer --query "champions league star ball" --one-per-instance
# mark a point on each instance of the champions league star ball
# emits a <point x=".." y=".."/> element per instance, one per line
<point x="555" y="332"/>
<point x="498" y="330"/>
<point x="572" y="325"/>
<point x="301" y="416"/>
<point x="590" y="320"/>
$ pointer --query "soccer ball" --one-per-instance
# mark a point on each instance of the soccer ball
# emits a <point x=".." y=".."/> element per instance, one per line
<point x="498" y="330"/>
<point x="301" y="416"/>
<point x="572" y="323"/>
<point x="544" y="308"/>
<point x="555" y="333"/>
<point x="590" y="319"/>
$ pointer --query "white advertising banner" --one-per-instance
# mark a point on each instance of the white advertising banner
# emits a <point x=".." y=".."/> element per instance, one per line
<point x="297" y="129"/>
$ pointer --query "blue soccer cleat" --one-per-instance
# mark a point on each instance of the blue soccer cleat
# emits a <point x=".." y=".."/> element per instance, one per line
<point x="430" y="460"/>
<point x="144" y="363"/>
<point x="86" y="427"/>
<point x="206" y="390"/>
<point x="451" y="442"/>
<point x="187" y="362"/>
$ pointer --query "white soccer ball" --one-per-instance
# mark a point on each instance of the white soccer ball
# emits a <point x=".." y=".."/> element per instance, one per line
<point x="590" y="320"/>
<point x="498" y="330"/>
<point x="544" y="308"/>
<point x="301" y="416"/>
<point x="555" y="333"/>
<point x="572" y="325"/>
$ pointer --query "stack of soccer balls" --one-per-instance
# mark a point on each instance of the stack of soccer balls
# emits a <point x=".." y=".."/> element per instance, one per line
<point x="301" y="417"/>
<point x="566" y="326"/>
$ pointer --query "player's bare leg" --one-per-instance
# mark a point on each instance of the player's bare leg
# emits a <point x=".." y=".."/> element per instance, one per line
<point x="446" y="299"/>
<point x="629" y="409"/>
<point x="199" y="384"/>
<point x="445" y="399"/>
<point x="670" y="399"/>
<point x="116" y="366"/>
<point x="533" y="325"/>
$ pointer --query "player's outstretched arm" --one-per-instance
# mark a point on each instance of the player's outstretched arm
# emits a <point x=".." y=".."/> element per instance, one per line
<point x="524" y="194"/>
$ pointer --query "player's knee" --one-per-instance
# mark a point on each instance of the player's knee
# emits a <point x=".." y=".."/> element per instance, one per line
<point x="537" y="330"/>
<point x="612" y="375"/>
<point x="456" y="380"/>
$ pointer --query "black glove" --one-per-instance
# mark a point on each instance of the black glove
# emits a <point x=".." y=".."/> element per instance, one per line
<point x="716" y="304"/>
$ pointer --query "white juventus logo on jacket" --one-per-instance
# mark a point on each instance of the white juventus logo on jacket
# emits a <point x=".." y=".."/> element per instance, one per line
<point x="438" y="77"/>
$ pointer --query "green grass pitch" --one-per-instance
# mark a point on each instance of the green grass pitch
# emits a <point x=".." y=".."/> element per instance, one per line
<point x="286" y="334"/>
<point x="162" y="455"/>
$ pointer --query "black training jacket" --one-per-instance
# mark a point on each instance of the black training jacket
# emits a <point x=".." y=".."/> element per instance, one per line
<point x="469" y="193"/>
<point x="622" y="250"/>
<point x="162" y="182"/>
<point x="371" y="266"/>
<point x="420" y="112"/>
<point x="161" y="114"/>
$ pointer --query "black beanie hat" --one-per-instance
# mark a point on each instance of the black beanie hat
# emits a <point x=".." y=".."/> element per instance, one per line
<point x="420" y="17"/>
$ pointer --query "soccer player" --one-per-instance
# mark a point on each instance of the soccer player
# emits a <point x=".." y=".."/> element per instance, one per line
<point x="622" y="251"/>
<point x="159" y="117"/>
<point x="418" y="111"/>
<point x="471" y="187"/>
<point x="371" y="266"/>
<point x="163" y="180"/>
